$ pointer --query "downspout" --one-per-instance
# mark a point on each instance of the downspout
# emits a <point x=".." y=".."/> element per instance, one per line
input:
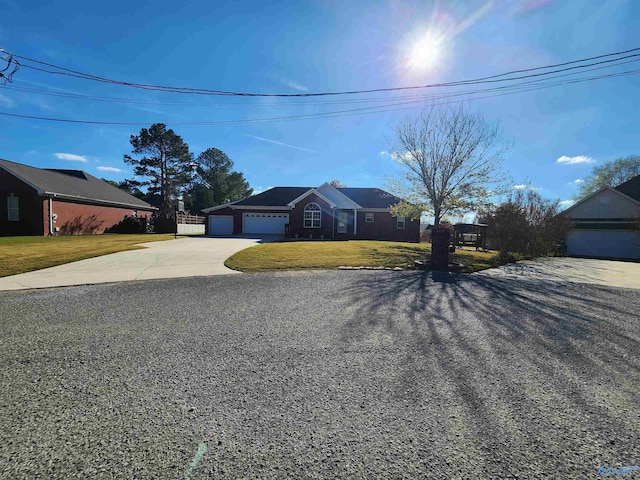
<point x="50" y="216"/>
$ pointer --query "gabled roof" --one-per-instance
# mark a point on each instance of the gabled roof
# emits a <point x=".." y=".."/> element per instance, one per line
<point x="339" y="199"/>
<point x="293" y="202"/>
<point x="603" y="189"/>
<point x="348" y="198"/>
<point x="274" y="197"/>
<point x="72" y="185"/>
<point x="631" y="188"/>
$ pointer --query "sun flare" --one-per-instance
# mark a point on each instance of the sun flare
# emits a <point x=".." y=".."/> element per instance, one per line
<point x="425" y="53"/>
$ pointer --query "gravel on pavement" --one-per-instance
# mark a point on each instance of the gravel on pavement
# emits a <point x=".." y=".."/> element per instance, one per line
<point x="357" y="374"/>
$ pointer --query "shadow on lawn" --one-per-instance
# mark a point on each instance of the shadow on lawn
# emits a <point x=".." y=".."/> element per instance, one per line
<point x="526" y="361"/>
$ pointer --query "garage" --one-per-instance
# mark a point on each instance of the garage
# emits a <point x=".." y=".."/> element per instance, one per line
<point x="604" y="243"/>
<point x="220" y="225"/>
<point x="258" y="222"/>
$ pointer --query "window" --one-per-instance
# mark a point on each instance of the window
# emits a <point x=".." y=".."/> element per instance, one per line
<point x="368" y="217"/>
<point x="312" y="215"/>
<point x="13" y="209"/>
<point x="400" y="221"/>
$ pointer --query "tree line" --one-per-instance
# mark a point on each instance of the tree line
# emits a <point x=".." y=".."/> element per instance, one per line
<point x="165" y="170"/>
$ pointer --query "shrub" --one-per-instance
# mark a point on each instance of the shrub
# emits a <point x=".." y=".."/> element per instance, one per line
<point x="128" y="225"/>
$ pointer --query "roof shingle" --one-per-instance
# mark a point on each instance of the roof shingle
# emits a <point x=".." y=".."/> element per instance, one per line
<point x="74" y="184"/>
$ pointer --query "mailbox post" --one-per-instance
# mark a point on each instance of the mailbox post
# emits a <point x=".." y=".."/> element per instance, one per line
<point x="440" y="238"/>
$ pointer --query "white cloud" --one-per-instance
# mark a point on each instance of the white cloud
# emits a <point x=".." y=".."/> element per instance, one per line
<point x="109" y="169"/>
<point x="566" y="203"/>
<point x="574" y="160"/>
<point x="71" y="156"/>
<point x="578" y="181"/>
<point x="296" y="86"/>
<point x="519" y="187"/>
<point x="401" y="159"/>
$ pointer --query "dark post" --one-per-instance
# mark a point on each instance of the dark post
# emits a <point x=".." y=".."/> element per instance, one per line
<point x="440" y="238"/>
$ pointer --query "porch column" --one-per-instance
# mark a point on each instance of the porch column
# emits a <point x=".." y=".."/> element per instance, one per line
<point x="355" y="221"/>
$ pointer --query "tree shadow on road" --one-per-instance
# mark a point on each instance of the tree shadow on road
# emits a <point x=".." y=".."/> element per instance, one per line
<point x="529" y="364"/>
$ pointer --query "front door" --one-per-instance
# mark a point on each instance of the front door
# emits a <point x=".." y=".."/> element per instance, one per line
<point x="343" y="219"/>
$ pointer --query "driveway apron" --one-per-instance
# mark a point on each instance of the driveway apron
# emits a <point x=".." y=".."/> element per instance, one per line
<point x="184" y="257"/>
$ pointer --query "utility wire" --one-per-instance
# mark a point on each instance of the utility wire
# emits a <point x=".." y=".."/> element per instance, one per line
<point x="74" y="95"/>
<point x="340" y="113"/>
<point x="200" y="91"/>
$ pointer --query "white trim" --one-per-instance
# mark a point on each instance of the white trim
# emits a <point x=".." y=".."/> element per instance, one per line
<point x="93" y="201"/>
<point x="217" y="207"/>
<point x="295" y="201"/>
<point x="379" y="210"/>
<point x="263" y="207"/>
<point x="349" y="202"/>
<point x="314" y="212"/>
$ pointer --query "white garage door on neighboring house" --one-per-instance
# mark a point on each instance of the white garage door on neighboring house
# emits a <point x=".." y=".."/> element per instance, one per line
<point x="220" y="225"/>
<point x="256" y="222"/>
<point x="604" y="243"/>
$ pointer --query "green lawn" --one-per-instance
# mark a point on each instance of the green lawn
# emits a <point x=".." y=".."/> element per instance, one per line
<point x="24" y="254"/>
<point x="354" y="253"/>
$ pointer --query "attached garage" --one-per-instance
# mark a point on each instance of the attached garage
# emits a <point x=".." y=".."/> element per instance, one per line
<point x="258" y="222"/>
<point x="220" y="225"/>
<point x="602" y="243"/>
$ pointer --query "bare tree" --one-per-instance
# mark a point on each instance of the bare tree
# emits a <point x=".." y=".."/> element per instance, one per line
<point x="453" y="158"/>
<point x="337" y="183"/>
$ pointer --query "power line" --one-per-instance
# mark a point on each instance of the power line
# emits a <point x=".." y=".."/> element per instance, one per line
<point x="133" y="101"/>
<point x="200" y="91"/>
<point x="524" y="87"/>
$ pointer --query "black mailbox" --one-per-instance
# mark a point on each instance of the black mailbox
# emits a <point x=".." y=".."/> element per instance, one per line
<point x="440" y="238"/>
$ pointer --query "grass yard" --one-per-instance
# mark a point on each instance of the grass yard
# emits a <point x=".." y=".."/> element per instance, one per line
<point x="25" y="254"/>
<point x="354" y="253"/>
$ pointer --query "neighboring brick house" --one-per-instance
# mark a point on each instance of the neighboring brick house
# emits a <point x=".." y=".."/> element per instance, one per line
<point x="323" y="212"/>
<point x="607" y="223"/>
<point x="36" y="201"/>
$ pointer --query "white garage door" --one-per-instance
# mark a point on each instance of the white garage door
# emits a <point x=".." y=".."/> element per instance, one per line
<point x="220" y="225"/>
<point x="265" y="222"/>
<point x="604" y="243"/>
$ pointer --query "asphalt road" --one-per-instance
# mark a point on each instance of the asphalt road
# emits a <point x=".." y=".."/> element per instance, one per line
<point x="352" y="374"/>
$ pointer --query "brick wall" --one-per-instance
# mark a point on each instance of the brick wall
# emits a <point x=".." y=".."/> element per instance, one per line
<point x="81" y="219"/>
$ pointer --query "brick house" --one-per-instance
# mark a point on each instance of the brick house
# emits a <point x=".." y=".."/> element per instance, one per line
<point x="36" y="201"/>
<point x="323" y="212"/>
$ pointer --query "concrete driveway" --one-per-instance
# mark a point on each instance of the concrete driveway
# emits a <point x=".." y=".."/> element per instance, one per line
<point x="576" y="270"/>
<point x="184" y="257"/>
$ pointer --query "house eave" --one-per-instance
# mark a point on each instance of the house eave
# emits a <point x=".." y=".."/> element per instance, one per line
<point x="95" y="201"/>
<point x="295" y="201"/>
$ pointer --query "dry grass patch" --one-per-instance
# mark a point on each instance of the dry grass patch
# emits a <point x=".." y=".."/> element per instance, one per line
<point x="354" y="253"/>
<point x="25" y="254"/>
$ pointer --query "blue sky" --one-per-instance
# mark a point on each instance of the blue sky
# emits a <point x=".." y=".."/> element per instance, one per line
<point x="288" y="47"/>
